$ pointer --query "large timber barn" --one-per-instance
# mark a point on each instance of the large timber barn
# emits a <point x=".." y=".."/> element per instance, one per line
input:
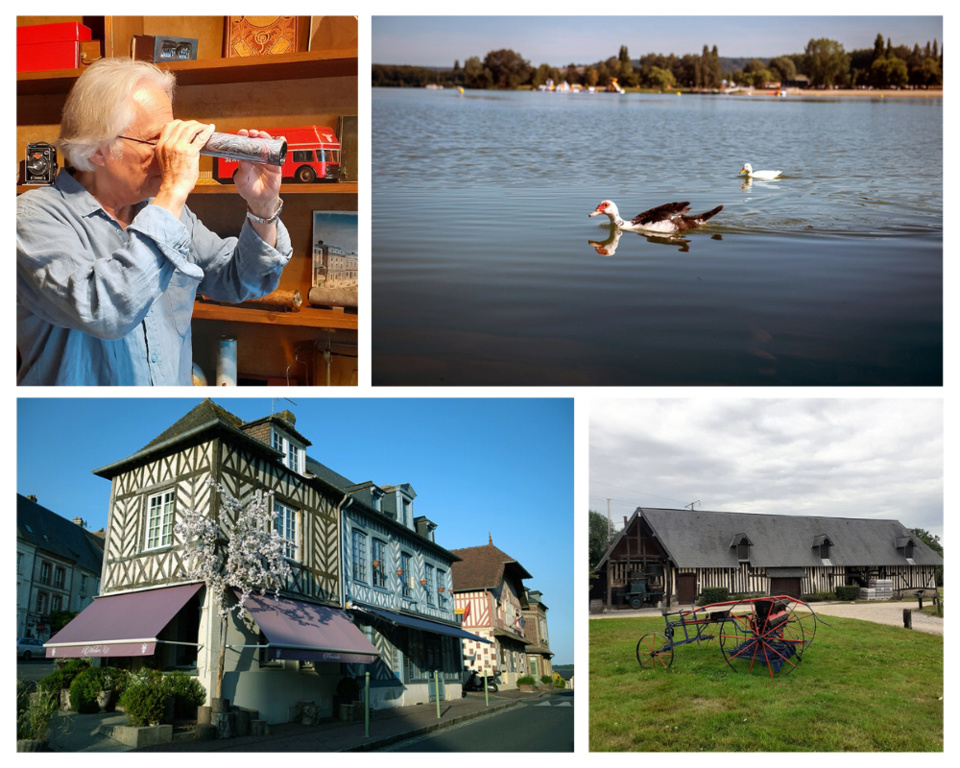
<point x="674" y="554"/>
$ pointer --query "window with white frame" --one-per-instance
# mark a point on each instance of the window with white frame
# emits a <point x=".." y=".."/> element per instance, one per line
<point x="44" y="573"/>
<point x="406" y="577"/>
<point x="378" y="560"/>
<point x="441" y="588"/>
<point x="359" y="556"/>
<point x="293" y="454"/>
<point x="430" y="587"/>
<point x="160" y="520"/>
<point x="285" y="524"/>
<point x="58" y="578"/>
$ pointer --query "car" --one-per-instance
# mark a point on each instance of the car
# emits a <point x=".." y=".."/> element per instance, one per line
<point x="30" y="647"/>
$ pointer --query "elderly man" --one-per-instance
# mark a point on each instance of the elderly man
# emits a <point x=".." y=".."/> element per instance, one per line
<point x="110" y="258"/>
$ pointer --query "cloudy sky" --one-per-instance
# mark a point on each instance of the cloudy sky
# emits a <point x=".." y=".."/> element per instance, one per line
<point x="841" y="457"/>
<point x="560" y="40"/>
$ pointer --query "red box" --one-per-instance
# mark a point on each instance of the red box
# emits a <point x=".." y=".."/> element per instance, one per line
<point x="43" y="47"/>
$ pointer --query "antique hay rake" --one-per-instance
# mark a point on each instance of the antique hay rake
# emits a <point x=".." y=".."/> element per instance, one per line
<point x="757" y="635"/>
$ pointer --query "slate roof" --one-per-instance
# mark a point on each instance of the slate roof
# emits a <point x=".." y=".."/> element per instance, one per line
<point x="703" y="539"/>
<point x="59" y="536"/>
<point x="201" y="423"/>
<point x="485" y="567"/>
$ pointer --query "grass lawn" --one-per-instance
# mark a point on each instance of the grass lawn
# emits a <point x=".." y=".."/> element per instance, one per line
<point x="861" y="687"/>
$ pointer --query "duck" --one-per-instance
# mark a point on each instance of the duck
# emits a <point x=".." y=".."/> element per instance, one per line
<point x="666" y="219"/>
<point x="763" y="175"/>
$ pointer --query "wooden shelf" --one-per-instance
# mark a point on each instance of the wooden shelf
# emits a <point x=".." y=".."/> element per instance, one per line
<point x="340" y="62"/>
<point x="307" y="317"/>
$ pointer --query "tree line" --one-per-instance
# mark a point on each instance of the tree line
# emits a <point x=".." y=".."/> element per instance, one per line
<point x="824" y="63"/>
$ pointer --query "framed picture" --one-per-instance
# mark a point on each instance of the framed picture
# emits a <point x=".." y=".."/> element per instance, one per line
<point x="266" y="35"/>
<point x="335" y="259"/>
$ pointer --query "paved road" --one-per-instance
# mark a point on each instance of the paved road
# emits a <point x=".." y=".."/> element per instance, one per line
<point x="878" y="611"/>
<point x="544" y="725"/>
<point x="881" y="612"/>
<point x="33" y="670"/>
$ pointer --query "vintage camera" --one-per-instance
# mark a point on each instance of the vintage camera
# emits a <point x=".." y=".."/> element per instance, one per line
<point x="158" y="48"/>
<point x="40" y="165"/>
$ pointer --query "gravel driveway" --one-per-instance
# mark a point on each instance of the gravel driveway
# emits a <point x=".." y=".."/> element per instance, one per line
<point x="881" y="613"/>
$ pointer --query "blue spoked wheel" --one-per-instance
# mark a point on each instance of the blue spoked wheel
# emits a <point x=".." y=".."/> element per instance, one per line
<point x="654" y="651"/>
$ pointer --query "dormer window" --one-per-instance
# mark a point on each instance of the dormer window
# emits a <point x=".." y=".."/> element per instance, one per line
<point x="376" y="498"/>
<point x="742" y="544"/>
<point x="905" y="545"/>
<point x="822" y="546"/>
<point x="294" y="455"/>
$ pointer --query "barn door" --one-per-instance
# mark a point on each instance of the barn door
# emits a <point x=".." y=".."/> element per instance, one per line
<point x="785" y="586"/>
<point x="686" y="588"/>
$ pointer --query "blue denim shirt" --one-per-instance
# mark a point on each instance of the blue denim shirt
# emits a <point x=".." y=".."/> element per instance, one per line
<point x="97" y="304"/>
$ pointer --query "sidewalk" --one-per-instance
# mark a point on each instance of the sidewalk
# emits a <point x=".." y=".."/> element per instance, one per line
<point x="386" y="727"/>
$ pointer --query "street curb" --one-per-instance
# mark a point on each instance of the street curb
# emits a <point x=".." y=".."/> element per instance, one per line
<point x="384" y="741"/>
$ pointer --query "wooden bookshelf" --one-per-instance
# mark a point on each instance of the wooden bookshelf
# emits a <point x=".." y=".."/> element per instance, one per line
<point x="309" y="87"/>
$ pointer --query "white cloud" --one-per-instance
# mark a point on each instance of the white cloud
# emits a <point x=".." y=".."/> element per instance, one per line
<point x="864" y="457"/>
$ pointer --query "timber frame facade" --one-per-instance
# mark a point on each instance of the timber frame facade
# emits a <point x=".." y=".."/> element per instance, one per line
<point x="174" y="472"/>
<point x="673" y="555"/>
<point x="490" y="595"/>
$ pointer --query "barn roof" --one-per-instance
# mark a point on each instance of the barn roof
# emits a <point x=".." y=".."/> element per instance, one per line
<point x="708" y="539"/>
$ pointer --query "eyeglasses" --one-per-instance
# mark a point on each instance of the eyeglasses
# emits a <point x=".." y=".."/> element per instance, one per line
<point x="139" y="141"/>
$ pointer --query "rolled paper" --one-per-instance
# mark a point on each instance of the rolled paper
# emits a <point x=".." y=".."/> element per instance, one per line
<point x="255" y="150"/>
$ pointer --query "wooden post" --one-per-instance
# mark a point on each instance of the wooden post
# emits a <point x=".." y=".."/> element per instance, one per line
<point x="907" y="618"/>
<point x="436" y="690"/>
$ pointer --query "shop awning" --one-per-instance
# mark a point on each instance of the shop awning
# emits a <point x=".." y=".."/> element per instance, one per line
<point x="121" y="625"/>
<point x="426" y="625"/>
<point x="309" y="632"/>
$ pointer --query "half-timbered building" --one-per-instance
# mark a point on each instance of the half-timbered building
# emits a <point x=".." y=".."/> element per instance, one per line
<point x="674" y="554"/>
<point x="490" y="595"/>
<point x="398" y="589"/>
<point x="279" y="652"/>
<point x="539" y="654"/>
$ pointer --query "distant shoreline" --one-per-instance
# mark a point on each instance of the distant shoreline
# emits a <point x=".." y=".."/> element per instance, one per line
<point x="849" y="93"/>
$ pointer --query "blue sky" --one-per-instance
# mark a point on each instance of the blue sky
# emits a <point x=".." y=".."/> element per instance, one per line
<point x="560" y="40"/>
<point x="479" y="466"/>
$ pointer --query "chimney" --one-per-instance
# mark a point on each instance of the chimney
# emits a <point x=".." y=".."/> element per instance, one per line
<point x="80" y="521"/>
<point x="32" y="497"/>
<point x="288" y="417"/>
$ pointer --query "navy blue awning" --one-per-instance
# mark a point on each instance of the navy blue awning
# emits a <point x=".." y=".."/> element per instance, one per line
<point x="403" y="620"/>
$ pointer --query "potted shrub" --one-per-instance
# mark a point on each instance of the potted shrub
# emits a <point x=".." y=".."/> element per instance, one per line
<point x="144" y="698"/>
<point x="58" y="682"/>
<point x="34" y="713"/>
<point x="187" y="693"/>
<point x="527" y="683"/>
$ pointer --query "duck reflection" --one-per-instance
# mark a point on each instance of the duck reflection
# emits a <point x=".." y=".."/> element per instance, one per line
<point x="608" y="247"/>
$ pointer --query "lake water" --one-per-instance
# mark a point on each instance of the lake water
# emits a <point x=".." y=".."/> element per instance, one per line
<point x="488" y="271"/>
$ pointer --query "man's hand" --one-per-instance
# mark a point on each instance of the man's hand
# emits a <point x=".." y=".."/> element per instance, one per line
<point x="259" y="185"/>
<point x="178" y="156"/>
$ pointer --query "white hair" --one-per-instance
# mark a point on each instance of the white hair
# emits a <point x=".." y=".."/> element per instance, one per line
<point x="100" y="106"/>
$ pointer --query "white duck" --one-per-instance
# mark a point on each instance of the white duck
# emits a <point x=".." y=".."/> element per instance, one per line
<point x="762" y="175"/>
<point x="665" y="219"/>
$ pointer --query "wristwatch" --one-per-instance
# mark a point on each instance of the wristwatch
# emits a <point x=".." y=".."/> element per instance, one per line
<point x="276" y="214"/>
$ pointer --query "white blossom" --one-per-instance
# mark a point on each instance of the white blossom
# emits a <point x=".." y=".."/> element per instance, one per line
<point x="246" y="555"/>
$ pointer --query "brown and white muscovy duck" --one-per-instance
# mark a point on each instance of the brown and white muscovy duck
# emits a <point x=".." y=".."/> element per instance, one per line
<point x="665" y="219"/>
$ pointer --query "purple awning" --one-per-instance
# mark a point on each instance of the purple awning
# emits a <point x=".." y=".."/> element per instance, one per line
<point x="121" y="625"/>
<point x="309" y="632"/>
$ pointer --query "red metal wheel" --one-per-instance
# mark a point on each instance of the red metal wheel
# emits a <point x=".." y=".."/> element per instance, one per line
<point x="763" y="636"/>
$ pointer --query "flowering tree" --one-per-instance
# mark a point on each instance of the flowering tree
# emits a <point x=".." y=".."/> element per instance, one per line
<point x="252" y="561"/>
